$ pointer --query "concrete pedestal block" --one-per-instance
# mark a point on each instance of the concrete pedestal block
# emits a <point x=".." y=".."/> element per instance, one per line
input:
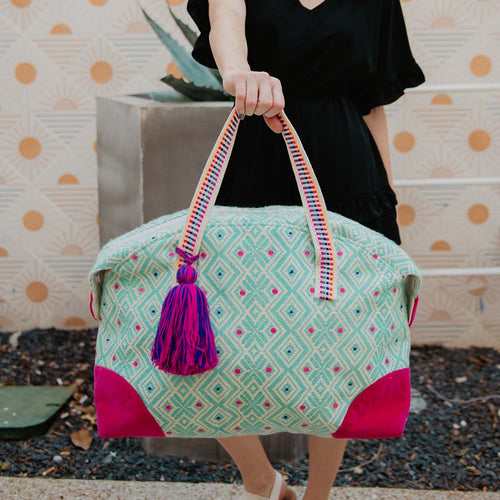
<point x="150" y="158"/>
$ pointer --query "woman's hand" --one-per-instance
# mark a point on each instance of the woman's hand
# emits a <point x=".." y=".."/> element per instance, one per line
<point x="256" y="92"/>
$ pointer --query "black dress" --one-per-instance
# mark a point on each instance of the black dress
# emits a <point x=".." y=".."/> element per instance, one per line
<point x="335" y="62"/>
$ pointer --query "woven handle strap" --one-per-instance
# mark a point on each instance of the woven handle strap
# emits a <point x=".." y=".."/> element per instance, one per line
<point x="310" y="192"/>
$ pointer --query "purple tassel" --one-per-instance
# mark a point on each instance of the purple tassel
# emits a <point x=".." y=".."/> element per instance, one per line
<point x="184" y="343"/>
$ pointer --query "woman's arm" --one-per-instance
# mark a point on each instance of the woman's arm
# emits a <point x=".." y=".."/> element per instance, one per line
<point x="377" y="123"/>
<point x="255" y="92"/>
<point x="227" y="34"/>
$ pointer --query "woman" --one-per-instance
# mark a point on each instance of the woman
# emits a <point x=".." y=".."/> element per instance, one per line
<point x="334" y="64"/>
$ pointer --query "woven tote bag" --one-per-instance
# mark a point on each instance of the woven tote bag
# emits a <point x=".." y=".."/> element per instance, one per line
<point x="218" y="321"/>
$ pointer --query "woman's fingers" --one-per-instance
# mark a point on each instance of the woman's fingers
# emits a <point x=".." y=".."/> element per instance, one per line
<point x="265" y="95"/>
<point x="278" y="105"/>
<point x="274" y="124"/>
<point x="240" y="86"/>
<point x="278" y="97"/>
<point x="252" y="94"/>
<point x="256" y="92"/>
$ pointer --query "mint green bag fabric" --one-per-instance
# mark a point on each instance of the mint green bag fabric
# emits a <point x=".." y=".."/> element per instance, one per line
<point x="311" y="315"/>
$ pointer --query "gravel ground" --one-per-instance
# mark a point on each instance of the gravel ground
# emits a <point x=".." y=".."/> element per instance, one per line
<point x="452" y="444"/>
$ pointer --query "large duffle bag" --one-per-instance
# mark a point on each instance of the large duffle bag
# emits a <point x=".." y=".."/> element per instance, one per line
<point x="222" y="321"/>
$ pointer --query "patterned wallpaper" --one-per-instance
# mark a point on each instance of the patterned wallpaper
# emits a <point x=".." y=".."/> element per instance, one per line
<point x="57" y="55"/>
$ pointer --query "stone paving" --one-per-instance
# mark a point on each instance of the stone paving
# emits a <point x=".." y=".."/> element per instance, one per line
<point x="52" y="489"/>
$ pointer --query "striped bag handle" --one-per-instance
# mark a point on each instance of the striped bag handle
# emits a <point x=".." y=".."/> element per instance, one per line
<point x="310" y="192"/>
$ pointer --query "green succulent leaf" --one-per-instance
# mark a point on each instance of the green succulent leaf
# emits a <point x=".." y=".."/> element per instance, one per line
<point x="195" y="92"/>
<point x="190" y="34"/>
<point x="191" y="69"/>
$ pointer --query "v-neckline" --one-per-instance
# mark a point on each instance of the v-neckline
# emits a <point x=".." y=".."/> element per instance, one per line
<point x="307" y="8"/>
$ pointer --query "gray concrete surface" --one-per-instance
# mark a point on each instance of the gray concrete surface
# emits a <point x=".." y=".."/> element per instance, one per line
<point x="46" y="488"/>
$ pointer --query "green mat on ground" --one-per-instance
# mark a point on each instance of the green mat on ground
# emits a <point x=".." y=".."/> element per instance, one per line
<point x="27" y="411"/>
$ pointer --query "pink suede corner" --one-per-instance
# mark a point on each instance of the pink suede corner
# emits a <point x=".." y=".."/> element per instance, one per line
<point x="413" y="311"/>
<point x="381" y="410"/>
<point x="120" y="410"/>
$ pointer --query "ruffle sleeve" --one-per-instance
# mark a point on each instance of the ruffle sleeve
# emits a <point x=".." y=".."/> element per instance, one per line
<point x="396" y="68"/>
<point x="202" y="52"/>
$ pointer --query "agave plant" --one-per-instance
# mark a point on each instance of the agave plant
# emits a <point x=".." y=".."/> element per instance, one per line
<point x="204" y="84"/>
